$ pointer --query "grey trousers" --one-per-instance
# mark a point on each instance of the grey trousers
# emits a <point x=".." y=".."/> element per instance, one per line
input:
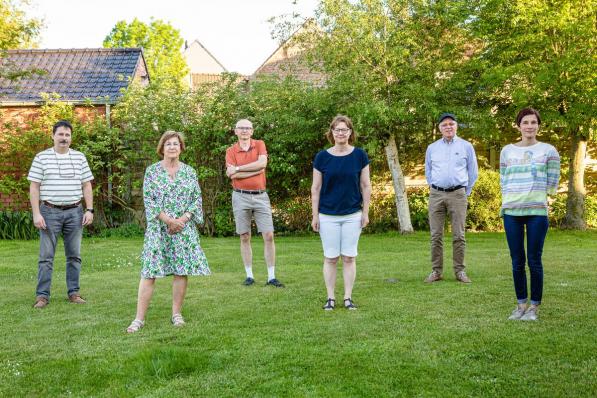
<point x="442" y="204"/>
<point x="67" y="223"/>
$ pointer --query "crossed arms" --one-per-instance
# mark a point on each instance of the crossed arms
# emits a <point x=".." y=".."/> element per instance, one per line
<point x="247" y="170"/>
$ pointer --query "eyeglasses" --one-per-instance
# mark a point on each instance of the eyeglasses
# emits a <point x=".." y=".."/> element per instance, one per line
<point x="72" y="174"/>
<point x="244" y="128"/>
<point x="340" y="131"/>
<point x="176" y="143"/>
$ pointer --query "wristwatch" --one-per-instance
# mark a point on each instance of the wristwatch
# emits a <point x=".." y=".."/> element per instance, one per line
<point x="89" y="210"/>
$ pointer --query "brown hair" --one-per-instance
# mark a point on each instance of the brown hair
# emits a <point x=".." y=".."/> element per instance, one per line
<point x="525" y="112"/>
<point x="165" y="137"/>
<point x="337" y="120"/>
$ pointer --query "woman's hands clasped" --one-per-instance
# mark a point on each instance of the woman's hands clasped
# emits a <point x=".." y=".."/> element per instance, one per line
<point x="175" y="225"/>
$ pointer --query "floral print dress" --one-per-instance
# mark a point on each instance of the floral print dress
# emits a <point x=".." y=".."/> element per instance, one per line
<point x="178" y="254"/>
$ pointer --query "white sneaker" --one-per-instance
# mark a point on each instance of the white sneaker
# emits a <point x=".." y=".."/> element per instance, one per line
<point x="517" y="313"/>
<point x="530" y="314"/>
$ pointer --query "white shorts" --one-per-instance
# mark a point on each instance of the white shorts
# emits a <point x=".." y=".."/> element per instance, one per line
<point x="340" y="234"/>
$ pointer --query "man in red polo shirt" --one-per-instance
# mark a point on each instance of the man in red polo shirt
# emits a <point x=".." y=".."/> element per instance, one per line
<point x="245" y="165"/>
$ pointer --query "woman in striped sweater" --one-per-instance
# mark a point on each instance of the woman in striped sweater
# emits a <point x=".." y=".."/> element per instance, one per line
<point x="529" y="171"/>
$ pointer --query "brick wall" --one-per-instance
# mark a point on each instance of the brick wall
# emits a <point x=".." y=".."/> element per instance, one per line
<point x="23" y="116"/>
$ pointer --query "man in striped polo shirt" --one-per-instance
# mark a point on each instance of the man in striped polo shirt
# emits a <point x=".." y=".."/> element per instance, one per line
<point x="59" y="178"/>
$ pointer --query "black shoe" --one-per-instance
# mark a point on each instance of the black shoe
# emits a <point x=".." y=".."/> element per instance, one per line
<point x="349" y="305"/>
<point x="249" y="281"/>
<point x="274" y="282"/>
<point x="330" y="304"/>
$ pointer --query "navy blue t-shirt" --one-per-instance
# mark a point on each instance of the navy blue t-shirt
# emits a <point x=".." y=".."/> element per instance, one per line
<point x="340" y="190"/>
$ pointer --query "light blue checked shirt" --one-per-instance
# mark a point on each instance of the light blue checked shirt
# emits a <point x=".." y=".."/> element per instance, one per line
<point x="449" y="164"/>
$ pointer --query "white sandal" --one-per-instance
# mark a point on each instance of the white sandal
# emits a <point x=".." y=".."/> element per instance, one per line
<point x="135" y="326"/>
<point x="178" y="320"/>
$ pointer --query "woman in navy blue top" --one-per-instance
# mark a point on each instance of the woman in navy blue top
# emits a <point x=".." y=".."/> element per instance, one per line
<point x="340" y="196"/>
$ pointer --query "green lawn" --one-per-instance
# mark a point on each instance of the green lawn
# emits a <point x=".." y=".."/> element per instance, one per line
<point x="406" y="339"/>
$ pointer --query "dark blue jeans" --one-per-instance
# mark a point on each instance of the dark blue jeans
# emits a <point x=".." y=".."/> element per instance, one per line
<point x="536" y="230"/>
<point x="67" y="223"/>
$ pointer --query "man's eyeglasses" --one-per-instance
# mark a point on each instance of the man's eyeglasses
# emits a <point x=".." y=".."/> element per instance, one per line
<point x="68" y="173"/>
<point x="341" y="131"/>
<point x="244" y="128"/>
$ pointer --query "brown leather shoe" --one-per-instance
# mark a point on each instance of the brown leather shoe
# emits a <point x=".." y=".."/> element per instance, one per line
<point x="462" y="277"/>
<point x="41" y="302"/>
<point x="434" y="277"/>
<point x="76" y="298"/>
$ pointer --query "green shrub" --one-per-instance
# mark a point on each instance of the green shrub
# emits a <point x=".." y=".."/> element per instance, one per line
<point x="292" y="215"/>
<point x="485" y="202"/>
<point x="557" y="210"/>
<point x="128" y="230"/>
<point x="418" y="203"/>
<point x="17" y="225"/>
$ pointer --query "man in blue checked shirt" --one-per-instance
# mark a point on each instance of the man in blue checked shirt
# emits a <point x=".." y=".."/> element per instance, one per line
<point x="451" y="171"/>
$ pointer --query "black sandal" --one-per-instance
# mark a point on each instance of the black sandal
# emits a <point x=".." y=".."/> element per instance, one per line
<point x="350" y="305"/>
<point x="330" y="304"/>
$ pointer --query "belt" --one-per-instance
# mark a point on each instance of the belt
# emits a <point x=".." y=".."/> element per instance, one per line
<point x="257" y="192"/>
<point x="451" y="189"/>
<point x="61" y="207"/>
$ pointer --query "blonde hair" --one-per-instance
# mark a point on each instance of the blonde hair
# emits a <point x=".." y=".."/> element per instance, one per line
<point x="165" y="137"/>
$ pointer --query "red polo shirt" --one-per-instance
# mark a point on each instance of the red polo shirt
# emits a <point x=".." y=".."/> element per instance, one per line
<point x="238" y="157"/>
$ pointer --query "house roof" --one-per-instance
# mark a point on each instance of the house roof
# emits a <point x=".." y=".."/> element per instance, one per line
<point x="209" y="57"/>
<point x="287" y="59"/>
<point x="77" y="75"/>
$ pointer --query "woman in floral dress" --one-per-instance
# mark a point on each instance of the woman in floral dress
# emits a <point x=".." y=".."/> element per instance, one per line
<point x="172" y="200"/>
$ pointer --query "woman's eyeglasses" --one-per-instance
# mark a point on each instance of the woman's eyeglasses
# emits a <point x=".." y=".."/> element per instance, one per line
<point x="340" y="131"/>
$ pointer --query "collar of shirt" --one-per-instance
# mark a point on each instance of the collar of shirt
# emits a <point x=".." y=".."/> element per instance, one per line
<point x="238" y="148"/>
<point x="445" y="141"/>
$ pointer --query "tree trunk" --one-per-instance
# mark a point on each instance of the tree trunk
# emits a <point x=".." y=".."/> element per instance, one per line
<point x="399" y="187"/>
<point x="575" y="204"/>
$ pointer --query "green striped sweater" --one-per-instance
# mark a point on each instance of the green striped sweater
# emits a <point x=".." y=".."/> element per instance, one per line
<point x="527" y="175"/>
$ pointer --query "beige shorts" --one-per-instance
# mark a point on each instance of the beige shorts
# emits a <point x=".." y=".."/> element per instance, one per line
<point x="246" y="206"/>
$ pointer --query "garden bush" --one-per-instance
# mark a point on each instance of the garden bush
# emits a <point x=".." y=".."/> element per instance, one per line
<point x="557" y="210"/>
<point x="17" y="225"/>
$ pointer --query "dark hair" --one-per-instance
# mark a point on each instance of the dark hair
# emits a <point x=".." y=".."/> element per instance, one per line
<point x="525" y="112"/>
<point x="337" y="120"/>
<point x="62" y="123"/>
<point x="165" y="137"/>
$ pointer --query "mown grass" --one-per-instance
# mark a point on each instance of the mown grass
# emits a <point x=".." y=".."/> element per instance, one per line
<point x="406" y="339"/>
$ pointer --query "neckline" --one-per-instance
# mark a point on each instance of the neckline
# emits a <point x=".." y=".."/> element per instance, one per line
<point x="240" y="148"/>
<point x="168" y="174"/>
<point x="340" y="156"/>
<point x="61" y="154"/>
<point x="527" y="147"/>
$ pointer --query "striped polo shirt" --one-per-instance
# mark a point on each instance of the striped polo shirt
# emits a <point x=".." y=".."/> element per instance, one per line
<point x="60" y="175"/>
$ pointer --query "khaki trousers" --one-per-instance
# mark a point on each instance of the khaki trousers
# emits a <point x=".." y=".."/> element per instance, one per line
<point x="453" y="204"/>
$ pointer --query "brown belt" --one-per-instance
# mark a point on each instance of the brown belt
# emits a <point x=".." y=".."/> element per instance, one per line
<point x="61" y="207"/>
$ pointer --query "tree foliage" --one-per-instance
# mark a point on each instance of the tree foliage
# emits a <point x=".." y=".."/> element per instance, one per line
<point x="542" y="54"/>
<point x="16" y="31"/>
<point x="161" y="44"/>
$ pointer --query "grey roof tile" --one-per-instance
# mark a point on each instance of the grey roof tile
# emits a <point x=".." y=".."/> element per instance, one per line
<point x="74" y="74"/>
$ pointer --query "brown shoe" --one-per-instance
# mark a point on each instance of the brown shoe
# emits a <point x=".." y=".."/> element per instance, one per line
<point x="462" y="277"/>
<point x="434" y="277"/>
<point x="76" y="298"/>
<point x="41" y="302"/>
